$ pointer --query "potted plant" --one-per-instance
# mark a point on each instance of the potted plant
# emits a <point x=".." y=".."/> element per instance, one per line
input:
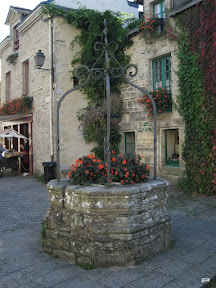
<point x="12" y="58"/>
<point x="116" y="110"/>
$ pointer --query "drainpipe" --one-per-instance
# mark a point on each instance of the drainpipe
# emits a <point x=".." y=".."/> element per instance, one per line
<point x="51" y="87"/>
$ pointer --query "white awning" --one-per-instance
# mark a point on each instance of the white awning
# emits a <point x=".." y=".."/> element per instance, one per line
<point x="9" y="132"/>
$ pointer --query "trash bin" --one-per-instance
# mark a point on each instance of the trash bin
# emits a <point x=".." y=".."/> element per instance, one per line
<point x="48" y="171"/>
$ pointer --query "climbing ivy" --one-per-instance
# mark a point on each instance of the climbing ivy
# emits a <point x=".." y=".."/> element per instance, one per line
<point x="91" y="23"/>
<point x="197" y="102"/>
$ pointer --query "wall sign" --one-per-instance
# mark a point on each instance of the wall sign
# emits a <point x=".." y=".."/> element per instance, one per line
<point x="145" y="136"/>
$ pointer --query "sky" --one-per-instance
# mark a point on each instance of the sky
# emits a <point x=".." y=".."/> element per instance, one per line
<point x="4" y="8"/>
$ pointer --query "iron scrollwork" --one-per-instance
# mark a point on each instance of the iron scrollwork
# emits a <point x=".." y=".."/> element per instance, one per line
<point x="85" y="73"/>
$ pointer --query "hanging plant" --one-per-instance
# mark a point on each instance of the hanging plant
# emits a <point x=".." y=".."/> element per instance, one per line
<point x="162" y="99"/>
<point x="93" y="119"/>
<point x="11" y="59"/>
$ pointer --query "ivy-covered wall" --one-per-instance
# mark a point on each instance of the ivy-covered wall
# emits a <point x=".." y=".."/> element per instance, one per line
<point x="197" y="98"/>
<point x="91" y="25"/>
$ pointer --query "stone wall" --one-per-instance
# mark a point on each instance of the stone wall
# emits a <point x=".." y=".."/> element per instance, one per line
<point x="72" y="144"/>
<point x="31" y="41"/>
<point x="33" y="38"/>
<point x="136" y="120"/>
<point x="105" y="227"/>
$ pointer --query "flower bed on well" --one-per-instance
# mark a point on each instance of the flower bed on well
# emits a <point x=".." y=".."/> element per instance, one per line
<point x="162" y="100"/>
<point x="124" y="168"/>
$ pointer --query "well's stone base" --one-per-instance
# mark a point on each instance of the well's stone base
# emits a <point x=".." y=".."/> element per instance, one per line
<point x="105" y="227"/>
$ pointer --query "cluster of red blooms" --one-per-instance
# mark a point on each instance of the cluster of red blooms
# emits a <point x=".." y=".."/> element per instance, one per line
<point x="126" y="169"/>
<point x="149" y="26"/>
<point x="16" y="106"/>
<point x="161" y="98"/>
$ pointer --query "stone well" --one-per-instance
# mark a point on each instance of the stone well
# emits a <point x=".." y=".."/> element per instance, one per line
<point x="105" y="227"/>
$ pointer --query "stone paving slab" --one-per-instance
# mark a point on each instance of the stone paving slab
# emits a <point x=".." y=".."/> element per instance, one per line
<point x="23" y="264"/>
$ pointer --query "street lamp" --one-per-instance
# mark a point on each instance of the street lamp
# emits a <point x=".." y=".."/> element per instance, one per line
<point x="39" y="61"/>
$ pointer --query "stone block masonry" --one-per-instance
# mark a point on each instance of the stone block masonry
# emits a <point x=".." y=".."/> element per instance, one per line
<point x="104" y="227"/>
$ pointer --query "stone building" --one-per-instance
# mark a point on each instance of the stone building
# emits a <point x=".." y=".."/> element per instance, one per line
<point x="157" y="63"/>
<point x="31" y="31"/>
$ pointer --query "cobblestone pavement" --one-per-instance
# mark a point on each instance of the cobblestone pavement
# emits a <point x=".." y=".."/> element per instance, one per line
<point x="23" y="264"/>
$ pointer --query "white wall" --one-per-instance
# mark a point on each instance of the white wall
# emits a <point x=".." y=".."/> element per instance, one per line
<point x="100" y="5"/>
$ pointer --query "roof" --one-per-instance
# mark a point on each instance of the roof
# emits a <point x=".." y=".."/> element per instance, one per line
<point x="16" y="10"/>
<point x="21" y="10"/>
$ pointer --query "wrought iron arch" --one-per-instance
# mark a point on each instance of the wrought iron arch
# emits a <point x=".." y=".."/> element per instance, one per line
<point x="106" y="72"/>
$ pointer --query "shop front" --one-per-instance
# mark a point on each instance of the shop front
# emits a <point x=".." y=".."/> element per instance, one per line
<point x="22" y="125"/>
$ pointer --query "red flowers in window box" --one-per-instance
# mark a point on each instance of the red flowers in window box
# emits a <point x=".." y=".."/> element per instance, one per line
<point x="162" y="99"/>
<point x="151" y="27"/>
<point x="21" y="105"/>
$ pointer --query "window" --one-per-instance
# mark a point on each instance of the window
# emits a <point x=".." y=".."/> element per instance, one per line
<point x="162" y="73"/>
<point x="26" y="77"/>
<point x="172" y="147"/>
<point x="16" y="39"/>
<point x="8" y="86"/>
<point x="130" y="142"/>
<point x="159" y="11"/>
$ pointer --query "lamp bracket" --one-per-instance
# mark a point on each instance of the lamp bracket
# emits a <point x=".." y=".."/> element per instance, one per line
<point x="50" y="70"/>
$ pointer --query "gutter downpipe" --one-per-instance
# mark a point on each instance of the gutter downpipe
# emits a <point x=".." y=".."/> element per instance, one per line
<point x="51" y="88"/>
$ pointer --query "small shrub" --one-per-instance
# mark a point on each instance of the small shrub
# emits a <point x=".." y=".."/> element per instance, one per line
<point x="39" y="178"/>
<point x="128" y="169"/>
<point x="43" y="230"/>
<point x="87" y="170"/>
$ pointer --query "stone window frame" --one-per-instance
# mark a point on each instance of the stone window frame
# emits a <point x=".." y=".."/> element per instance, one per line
<point x="15" y="38"/>
<point x="162" y="146"/>
<point x="26" y="77"/>
<point x="161" y="14"/>
<point x="164" y="72"/>
<point x="8" y="86"/>
<point x="131" y="144"/>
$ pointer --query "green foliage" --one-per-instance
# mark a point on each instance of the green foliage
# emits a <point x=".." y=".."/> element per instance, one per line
<point x="94" y="121"/>
<point x="43" y="230"/>
<point x="196" y="100"/>
<point x="39" y="178"/>
<point x="85" y="266"/>
<point x="91" y="23"/>
<point x="12" y="58"/>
